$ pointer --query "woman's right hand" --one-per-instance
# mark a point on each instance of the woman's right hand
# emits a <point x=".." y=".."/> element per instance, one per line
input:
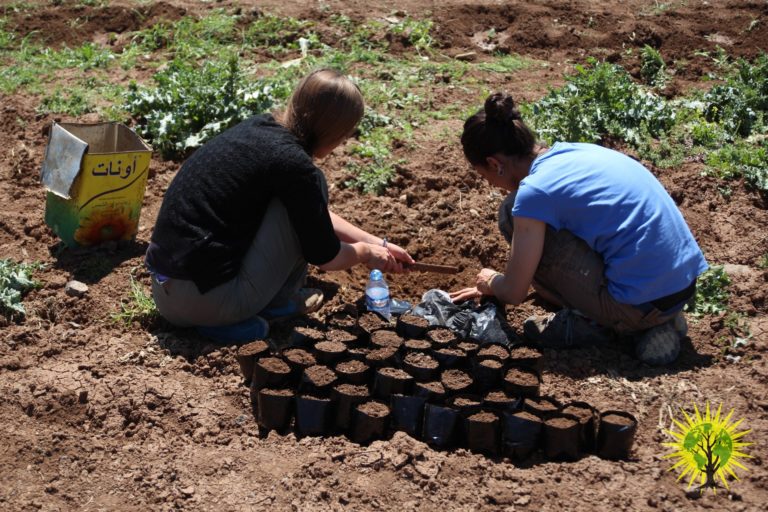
<point x="381" y="258"/>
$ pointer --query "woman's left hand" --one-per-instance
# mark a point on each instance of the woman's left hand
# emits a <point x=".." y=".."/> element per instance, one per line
<point x="401" y="255"/>
<point x="465" y="294"/>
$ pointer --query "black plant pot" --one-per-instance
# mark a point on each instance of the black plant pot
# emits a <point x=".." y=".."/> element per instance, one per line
<point x="275" y="408"/>
<point x="330" y="352"/>
<point x="369" y="422"/>
<point x="313" y="415"/>
<point x="522" y="382"/>
<point x="317" y="381"/>
<point x="391" y="381"/>
<point x="408" y="414"/>
<point x="562" y="437"/>
<point x="542" y="406"/>
<point x="270" y="372"/>
<point x="587" y="416"/>
<point x="248" y="354"/>
<point x="499" y="401"/>
<point x="305" y="337"/>
<point x="450" y="357"/>
<point x="440" y="424"/>
<point x="526" y="356"/>
<point x="345" y="398"/>
<point x="420" y="366"/>
<point x="521" y="434"/>
<point x="482" y="430"/>
<point x="433" y="392"/>
<point x="487" y="373"/>
<point x="616" y="434"/>
<point x="353" y="372"/>
<point x="411" y="326"/>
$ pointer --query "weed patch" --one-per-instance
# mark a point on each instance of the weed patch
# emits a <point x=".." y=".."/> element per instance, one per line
<point x="711" y="293"/>
<point x="15" y="281"/>
<point x="138" y="307"/>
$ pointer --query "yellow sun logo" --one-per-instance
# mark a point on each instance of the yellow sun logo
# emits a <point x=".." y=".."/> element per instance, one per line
<point x="707" y="448"/>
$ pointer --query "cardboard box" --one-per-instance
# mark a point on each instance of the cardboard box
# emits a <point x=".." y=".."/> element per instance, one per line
<point x="95" y="175"/>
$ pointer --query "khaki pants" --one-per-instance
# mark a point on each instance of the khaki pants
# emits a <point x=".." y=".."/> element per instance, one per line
<point x="272" y="271"/>
<point x="572" y="275"/>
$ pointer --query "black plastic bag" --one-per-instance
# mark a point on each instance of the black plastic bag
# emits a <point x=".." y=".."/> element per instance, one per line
<point x="468" y="319"/>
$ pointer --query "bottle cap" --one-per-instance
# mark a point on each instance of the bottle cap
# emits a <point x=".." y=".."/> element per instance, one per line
<point x="376" y="275"/>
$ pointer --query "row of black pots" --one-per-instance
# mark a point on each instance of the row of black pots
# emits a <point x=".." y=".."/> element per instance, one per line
<point x="513" y="432"/>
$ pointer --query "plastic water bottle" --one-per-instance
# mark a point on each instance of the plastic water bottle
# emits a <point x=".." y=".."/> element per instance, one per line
<point x="377" y="294"/>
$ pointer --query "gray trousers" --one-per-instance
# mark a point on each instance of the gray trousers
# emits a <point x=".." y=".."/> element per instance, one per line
<point x="271" y="273"/>
<point x="572" y="275"/>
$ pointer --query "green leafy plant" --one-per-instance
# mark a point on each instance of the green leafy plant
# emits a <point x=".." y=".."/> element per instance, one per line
<point x="711" y="292"/>
<point x="652" y="67"/>
<point x="138" y="307"/>
<point x="191" y="104"/>
<point x="73" y="103"/>
<point x="741" y="103"/>
<point x="741" y="159"/>
<point x="416" y="32"/>
<point x="601" y="100"/>
<point x="15" y="281"/>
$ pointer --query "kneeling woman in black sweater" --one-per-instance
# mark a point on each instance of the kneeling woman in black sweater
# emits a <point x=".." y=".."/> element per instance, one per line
<point x="249" y="210"/>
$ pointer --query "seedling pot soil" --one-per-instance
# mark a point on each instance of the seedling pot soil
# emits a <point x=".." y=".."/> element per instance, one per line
<point x="562" y="437"/>
<point x="500" y="401"/>
<point x="470" y="348"/>
<point x="615" y="434"/>
<point x="358" y="353"/>
<point x="417" y="345"/>
<point x="371" y="321"/>
<point x="330" y="352"/>
<point x="466" y="404"/>
<point x="275" y="408"/>
<point x="407" y="414"/>
<point x="389" y="381"/>
<point x="386" y="338"/>
<point x="495" y="351"/>
<point x="346" y="397"/>
<point x="313" y="415"/>
<point x="420" y="366"/>
<point x="305" y="337"/>
<point x="483" y="432"/>
<point x="369" y="422"/>
<point x="487" y="373"/>
<point x="380" y="357"/>
<point x="353" y="372"/>
<point x="270" y="372"/>
<point x="248" y="354"/>
<point x="317" y="380"/>
<point x="521" y="433"/>
<point x="342" y="336"/>
<point x="522" y="382"/>
<point x="440" y="424"/>
<point x="544" y="406"/>
<point x="441" y="337"/>
<point x="449" y="357"/>
<point x="344" y="320"/>
<point x="298" y="359"/>
<point x="411" y="326"/>
<point x="456" y="381"/>
<point x="587" y="417"/>
<point x="433" y="392"/>
<point x="526" y="356"/>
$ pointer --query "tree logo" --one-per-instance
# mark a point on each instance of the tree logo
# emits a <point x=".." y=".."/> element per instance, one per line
<point x="707" y="448"/>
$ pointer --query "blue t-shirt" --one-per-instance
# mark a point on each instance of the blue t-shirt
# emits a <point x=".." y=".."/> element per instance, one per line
<point x="622" y="211"/>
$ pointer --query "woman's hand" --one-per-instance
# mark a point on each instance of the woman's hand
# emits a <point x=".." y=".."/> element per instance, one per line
<point x="465" y="294"/>
<point x="484" y="279"/>
<point x="401" y="256"/>
<point x="381" y="258"/>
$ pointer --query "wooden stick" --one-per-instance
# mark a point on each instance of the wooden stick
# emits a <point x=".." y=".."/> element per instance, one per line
<point x="430" y="267"/>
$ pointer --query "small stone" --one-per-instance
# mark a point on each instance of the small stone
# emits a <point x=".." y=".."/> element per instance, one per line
<point x="466" y="56"/>
<point x="523" y="501"/>
<point x="188" y="491"/>
<point x="76" y="288"/>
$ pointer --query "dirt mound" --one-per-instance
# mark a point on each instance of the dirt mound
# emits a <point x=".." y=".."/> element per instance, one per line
<point x="77" y="24"/>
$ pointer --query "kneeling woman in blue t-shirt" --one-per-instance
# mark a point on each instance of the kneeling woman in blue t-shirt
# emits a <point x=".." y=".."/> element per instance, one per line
<point x="592" y="230"/>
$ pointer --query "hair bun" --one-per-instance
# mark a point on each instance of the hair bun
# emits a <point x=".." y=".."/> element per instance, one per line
<point x="500" y="108"/>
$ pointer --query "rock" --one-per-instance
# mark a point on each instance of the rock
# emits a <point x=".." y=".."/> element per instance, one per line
<point x="76" y="288"/>
<point x="188" y="491"/>
<point x="466" y="56"/>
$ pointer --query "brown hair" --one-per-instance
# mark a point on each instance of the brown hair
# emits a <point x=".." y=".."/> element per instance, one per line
<point x="496" y="128"/>
<point x="324" y="109"/>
